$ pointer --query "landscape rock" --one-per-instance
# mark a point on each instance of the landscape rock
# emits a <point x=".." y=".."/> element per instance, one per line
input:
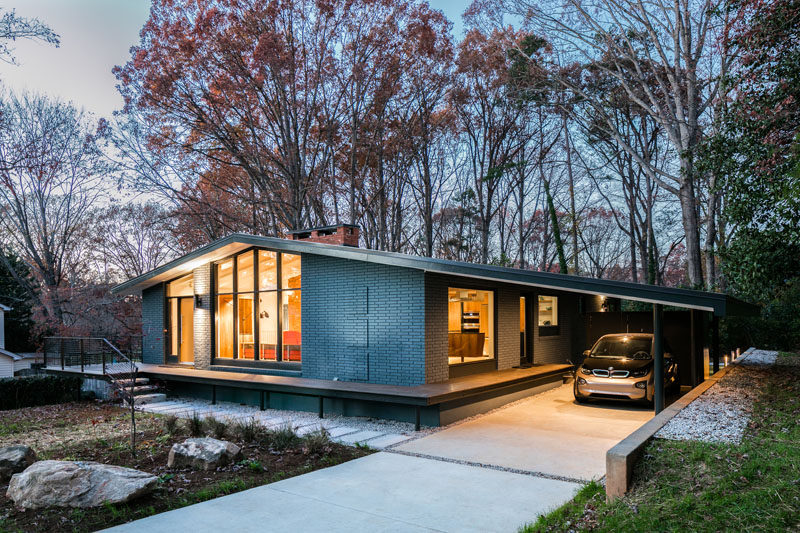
<point x="15" y="459"/>
<point x="204" y="453"/>
<point x="82" y="484"/>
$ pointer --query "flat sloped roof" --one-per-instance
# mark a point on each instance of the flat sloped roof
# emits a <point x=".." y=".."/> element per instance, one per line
<point x="719" y="304"/>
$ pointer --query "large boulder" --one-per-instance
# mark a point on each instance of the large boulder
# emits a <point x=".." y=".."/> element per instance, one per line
<point x="15" y="459"/>
<point x="204" y="453"/>
<point x="81" y="484"/>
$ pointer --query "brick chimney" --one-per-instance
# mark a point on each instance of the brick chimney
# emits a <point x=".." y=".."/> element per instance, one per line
<point x="341" y="234"/>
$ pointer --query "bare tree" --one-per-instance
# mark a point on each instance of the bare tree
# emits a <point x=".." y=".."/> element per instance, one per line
<point x="14" y="27"/>
<point x="661" y="56"/>
<point x="51" y="162"/>
<point x="132" y="239"/>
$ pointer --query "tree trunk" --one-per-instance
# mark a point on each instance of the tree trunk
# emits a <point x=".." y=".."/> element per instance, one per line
<point x="691" y="227"/>
<point x="562" y="258"/>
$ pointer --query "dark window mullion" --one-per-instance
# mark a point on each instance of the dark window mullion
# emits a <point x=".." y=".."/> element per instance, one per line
<point x="279" y="300"/>
<point x="256" y="310"/>
<point x="235" y="283"/>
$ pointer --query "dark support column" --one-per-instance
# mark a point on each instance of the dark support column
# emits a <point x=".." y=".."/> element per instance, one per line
<point x="715" y="342"/>
<point x="658" y="359"/>
<point x="321" y="410"/>
<point x="261" y="401"/>
<point x="693" y="346"/>
<point x="213" y="395"/>
<point x="416" y="419"/>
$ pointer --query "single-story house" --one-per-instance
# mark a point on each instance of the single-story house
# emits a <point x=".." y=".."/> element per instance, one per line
<point x="316" y="318"/>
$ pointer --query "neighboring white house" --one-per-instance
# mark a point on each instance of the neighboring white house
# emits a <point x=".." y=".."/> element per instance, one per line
<point x="3" y="310"/>
<point x="9" y="362"/>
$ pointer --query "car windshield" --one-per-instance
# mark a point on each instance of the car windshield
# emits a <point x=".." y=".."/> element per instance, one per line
<point x="623" y="347"/>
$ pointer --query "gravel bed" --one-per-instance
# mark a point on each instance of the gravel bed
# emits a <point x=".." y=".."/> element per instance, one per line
<point x="295" y="418"/>
<point x="722" y="412"/>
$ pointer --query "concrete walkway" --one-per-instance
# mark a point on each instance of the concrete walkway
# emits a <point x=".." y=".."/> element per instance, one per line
<point x="548" y="434"/>
<point x="494" y="472"/>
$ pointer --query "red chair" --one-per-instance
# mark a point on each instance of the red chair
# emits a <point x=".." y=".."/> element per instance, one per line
<point x="267" y="352"/>
<point x="292" y="346"/>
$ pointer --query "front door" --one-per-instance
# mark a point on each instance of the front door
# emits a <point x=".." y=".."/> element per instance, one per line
<point x="180" y="330"/>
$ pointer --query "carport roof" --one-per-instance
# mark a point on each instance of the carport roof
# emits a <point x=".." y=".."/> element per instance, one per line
<point x="719" y="304"/>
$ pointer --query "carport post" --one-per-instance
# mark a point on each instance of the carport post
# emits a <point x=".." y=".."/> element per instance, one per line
<point x="658" y="360"/>
<point x="715" y="342"/>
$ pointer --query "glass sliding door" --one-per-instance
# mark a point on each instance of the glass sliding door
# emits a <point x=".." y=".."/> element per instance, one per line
<point x="186" y="350"/>
<point x="180" y="320"/>
<point x="268" y="325"/>
<point x="225" y="326"/>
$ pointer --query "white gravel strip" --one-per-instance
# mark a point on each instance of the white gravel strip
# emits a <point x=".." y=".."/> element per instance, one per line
<point x="342" y="428"/>
<point x="722" y="412"/>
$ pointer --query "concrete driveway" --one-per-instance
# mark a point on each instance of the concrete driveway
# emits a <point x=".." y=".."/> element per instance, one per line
<point x="493" y="473"/>
<point x="547" y="434"/>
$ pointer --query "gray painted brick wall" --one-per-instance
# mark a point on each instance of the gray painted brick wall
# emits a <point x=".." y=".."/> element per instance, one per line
<point x="506" y="322"/>
<point x="203" y="327"/>
<point x="559" y="348"/>
<point x="437" y="368"/>
<point x="153" y="325"/>
<point x="507" y="326"/>
<point x="363" y="322"/>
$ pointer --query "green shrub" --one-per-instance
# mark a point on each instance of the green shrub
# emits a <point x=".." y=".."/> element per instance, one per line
<point x="283" y="438"/>
<point x="317" y="442"/>
<point x="777" y="328"/>
<point x="170" y="424"/>
<point x="217" y="428"/>
<point x="194" y="425"/>
<point x="249" y="430"/>
<point x="16" y="393"/>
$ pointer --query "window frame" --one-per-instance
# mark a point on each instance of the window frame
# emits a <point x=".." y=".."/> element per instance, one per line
<point x="236" y="360"/>
<point x="553" y="330"/>
<point x="494" y="308"/>
<point x="169" y="329"/>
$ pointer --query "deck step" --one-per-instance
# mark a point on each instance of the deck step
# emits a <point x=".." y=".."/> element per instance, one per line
<point x="139" y="381"/>
<point x="143" y="389"/>
<point x="149" y="398"/>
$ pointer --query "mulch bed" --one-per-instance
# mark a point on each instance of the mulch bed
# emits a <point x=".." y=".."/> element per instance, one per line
<point x="178" y="487"/>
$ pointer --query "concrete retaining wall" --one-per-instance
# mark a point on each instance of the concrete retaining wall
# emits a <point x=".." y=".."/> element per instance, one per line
<point x="621" y="459"/>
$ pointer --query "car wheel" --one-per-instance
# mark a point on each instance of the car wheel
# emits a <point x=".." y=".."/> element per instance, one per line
<point x="581" y="399"/>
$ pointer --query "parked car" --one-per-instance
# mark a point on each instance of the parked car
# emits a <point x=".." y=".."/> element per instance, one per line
<point x="620" y="367"/>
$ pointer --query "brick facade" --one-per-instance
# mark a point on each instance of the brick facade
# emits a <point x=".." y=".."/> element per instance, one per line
<point x="153" y="325"/>
<point x="203" y="325"/>
<point x="567" y="344"/>
<point x="362" y="321"/>
<point x="367" y="322"/>
<point x="342" y="235"/>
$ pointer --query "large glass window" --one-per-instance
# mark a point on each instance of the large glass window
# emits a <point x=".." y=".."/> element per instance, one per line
<point x="262" y="320"/>
<point x="471" y="325"/>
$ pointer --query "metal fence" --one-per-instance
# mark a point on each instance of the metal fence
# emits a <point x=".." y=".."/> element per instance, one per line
<point x="89" y="354"/>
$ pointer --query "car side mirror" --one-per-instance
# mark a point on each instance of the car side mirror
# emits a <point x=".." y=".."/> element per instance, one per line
<point x="586" y="353"/>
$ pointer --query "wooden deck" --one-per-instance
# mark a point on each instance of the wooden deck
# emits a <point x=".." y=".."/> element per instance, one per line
<point x="420" y="395"/>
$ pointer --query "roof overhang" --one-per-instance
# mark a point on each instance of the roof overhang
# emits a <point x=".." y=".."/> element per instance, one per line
<point x="719" y="304"/>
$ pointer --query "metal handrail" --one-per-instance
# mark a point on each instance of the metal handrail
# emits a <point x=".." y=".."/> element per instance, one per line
<point x="116" y="366"/>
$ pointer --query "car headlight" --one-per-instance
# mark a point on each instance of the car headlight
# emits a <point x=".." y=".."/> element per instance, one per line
<point x="585" y="370"/>
<point x="640" y="373"/>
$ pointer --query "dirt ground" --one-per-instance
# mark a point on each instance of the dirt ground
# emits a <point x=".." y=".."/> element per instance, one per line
<point x="93" y="431"/>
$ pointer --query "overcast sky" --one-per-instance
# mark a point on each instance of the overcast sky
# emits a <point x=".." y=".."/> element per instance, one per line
<point x="95" y="36"/>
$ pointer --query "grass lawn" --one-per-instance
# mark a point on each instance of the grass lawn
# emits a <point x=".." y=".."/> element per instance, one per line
<point x="93" y="431"/>
<point x="694" y="486"/>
